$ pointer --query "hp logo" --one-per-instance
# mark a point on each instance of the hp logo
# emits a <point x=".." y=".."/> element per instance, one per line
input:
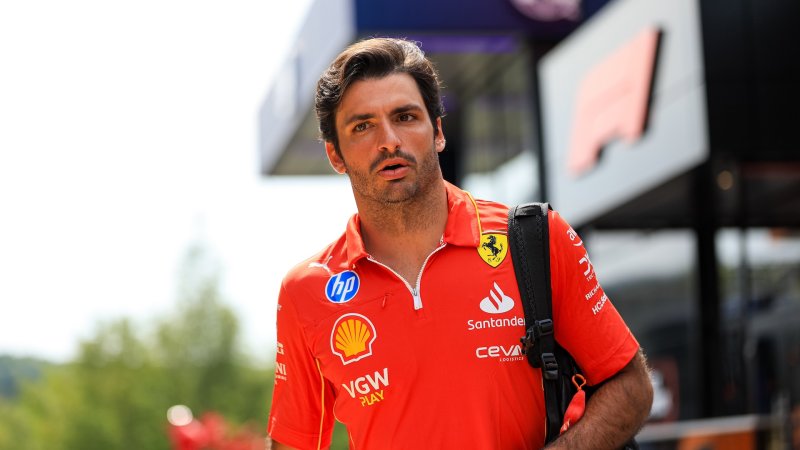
<point x="342" y="287"/>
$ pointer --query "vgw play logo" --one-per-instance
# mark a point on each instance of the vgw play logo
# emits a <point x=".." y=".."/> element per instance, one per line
<point x="342" y="287"/>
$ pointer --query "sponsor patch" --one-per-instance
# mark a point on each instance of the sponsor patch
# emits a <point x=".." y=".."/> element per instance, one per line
<point x="352" y="337"/>
<point x="504" y="353"/>
<point x="599" y="305"/>
<point x="280" y="367"/>
<point x="493" y="248"/>
<point x="280" y="372"/>
<point x="495" y="323"/>
<point x="342" y="287"/>
<point x="587" y="272"/>
<point x="573" y="236"/>
<point x="497" y="302"/>
<point x="369" y="389"/>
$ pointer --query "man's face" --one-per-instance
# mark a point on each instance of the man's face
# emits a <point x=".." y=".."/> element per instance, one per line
<point x="386" y="139"/>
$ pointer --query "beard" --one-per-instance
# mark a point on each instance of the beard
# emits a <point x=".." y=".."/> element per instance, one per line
<point x="367" y="185"/>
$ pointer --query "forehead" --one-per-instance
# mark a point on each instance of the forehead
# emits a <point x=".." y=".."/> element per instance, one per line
<point x="375" y="95"/>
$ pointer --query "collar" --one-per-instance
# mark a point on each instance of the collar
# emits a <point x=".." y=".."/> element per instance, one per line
<point x="462" y="228"/>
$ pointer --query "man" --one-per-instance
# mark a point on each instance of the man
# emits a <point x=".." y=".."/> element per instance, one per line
<point x="400" y="329"/>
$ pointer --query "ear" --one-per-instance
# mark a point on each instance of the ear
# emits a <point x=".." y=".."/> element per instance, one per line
<point x="336" y="161"/>
<point x="439" y="140"/>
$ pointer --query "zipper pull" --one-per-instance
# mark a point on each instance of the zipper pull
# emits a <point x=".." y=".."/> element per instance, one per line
<point x="417" y="299"/>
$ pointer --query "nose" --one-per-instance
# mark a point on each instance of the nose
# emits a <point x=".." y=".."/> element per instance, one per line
<point x="389" y="140"/>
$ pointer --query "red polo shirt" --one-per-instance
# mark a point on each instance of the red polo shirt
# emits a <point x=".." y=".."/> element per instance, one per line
<point x="433" y="362"/>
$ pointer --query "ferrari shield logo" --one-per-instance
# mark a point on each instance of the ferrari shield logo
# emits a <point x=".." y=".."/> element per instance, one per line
<point x="493" y="248"/>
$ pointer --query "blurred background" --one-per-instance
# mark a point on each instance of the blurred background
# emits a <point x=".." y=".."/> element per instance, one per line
<point x="157" y="160"/>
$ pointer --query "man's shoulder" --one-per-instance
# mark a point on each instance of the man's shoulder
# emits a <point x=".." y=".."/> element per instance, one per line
<point x="327" y="262"/>
<point x="493" y="215"/>
<point x="316" y="285"/>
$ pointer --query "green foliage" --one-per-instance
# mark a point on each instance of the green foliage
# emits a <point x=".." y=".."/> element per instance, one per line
<point x="340" y="440"/>
<point x="35" y="419"/>
<point x="116" y="393"/>
<point x="13" y="370"/>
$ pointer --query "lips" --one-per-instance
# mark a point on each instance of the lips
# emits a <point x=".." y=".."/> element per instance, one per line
<point x="393" y="168"/>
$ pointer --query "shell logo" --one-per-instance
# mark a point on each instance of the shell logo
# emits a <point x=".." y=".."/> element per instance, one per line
<point x="352" y="337"/>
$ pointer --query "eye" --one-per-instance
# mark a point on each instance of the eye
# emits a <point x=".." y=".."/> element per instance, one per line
<point x="360" y="127"/>
<point x="405" y="117"/>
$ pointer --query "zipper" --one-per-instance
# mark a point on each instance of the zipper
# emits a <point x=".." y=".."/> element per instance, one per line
<point x="415" y="289"/>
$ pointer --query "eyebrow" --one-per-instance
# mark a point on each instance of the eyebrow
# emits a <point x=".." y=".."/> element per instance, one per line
<point x="358" y="118"/>
<point x="406" y="108"/>
<point x="400" y="109"/>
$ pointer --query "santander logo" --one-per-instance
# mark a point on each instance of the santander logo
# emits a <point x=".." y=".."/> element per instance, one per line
<point x="497" y="302"/>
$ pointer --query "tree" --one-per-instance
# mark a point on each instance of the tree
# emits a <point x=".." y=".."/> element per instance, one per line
<point x="116" y="393"/>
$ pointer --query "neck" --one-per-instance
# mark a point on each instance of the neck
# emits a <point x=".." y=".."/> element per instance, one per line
<point x="403" y="234"/>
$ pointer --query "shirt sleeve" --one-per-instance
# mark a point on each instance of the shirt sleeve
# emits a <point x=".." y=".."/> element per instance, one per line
<point x="586" y="323"/>
<point x="301" y="415"/>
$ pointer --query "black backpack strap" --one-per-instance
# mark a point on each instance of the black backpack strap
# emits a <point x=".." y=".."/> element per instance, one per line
<point x="529" y="241"/>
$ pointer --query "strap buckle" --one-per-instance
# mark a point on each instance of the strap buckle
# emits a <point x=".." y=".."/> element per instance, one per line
<point x="528" y="340"/>
<point x="534" y="332"/>
<point x="549" y="366"/>
<point x="544" y="327"/>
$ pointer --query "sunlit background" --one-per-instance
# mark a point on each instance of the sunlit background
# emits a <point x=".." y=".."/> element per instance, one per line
<point x="128" y="133"/>
<point x="140" y="249"/>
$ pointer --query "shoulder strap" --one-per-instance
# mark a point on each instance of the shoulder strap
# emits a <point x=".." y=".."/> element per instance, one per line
<point x="529" y="241"/>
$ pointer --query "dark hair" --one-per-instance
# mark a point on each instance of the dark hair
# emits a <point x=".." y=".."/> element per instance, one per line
<point x="374" y="58"/>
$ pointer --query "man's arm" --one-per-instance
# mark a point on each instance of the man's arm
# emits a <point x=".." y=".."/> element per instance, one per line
<point x="614" y="413"/>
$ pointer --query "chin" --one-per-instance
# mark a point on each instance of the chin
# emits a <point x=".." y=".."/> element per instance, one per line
<point x="398" y="194"/>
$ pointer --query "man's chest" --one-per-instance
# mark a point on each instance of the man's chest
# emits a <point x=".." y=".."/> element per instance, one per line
<point x="394" y="338"/>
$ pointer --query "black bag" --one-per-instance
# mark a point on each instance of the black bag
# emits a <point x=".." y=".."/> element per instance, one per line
<point x="529" y="242"/>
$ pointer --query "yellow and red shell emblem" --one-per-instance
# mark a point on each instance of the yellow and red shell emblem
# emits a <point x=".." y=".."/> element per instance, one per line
<point x="352" y="337"/>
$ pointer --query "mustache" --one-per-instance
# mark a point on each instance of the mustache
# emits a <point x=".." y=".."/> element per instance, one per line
<point x="386" y="156"/>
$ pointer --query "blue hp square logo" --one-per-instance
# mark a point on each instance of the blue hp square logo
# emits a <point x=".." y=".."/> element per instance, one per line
<point x="342" y="287"/>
